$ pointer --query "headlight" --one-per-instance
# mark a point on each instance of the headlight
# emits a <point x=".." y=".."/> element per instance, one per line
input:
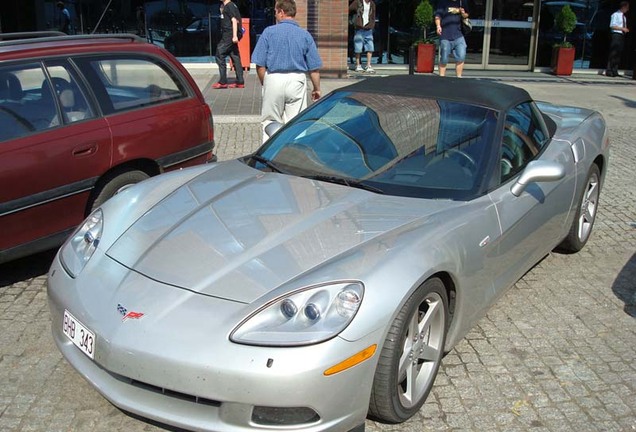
<point x="304" y="317"/>
<point x="79" y="248"/>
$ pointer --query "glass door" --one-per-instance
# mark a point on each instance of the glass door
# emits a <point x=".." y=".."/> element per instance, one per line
<point x="511" y="32"/>
<point x="476" y="39"/>
<point x="502" y="36"/>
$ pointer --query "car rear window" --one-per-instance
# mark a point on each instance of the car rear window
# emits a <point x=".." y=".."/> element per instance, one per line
<point x="131" y="83"/>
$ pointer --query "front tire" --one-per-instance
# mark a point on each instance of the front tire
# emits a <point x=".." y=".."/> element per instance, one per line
<point x="411" y="355"/>
<point x="585" y="214"/>
<point x="109" y="186"/>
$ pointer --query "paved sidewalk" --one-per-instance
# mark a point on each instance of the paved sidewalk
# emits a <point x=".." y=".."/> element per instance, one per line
<point x="227" y="104"/>
<point x="236" y="112"/>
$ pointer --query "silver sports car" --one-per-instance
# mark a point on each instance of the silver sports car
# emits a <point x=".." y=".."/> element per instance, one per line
<point x="321" y="279"/>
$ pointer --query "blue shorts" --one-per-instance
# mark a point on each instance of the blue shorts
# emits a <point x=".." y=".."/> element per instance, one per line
<point x="457" y="47"/>
<point x="363" y="41"/>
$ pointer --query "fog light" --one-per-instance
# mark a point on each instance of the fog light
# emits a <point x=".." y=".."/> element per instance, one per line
<point x="277" y="416"/>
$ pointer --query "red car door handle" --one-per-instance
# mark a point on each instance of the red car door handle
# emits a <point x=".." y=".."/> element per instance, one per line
<point x="85" y="150"/>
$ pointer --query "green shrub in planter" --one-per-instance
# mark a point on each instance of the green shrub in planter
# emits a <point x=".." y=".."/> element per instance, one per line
<point x="423" y="18"/>
<point x="566" y="22"/>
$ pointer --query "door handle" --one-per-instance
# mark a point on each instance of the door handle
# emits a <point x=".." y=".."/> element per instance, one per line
<point x="85" y="150"/>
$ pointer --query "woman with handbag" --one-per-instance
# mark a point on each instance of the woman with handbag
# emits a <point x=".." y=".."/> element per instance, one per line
<point x="448" y="19"/>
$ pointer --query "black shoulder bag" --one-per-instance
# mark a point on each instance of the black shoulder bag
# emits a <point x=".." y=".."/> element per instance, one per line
<point x="466" y="26"/>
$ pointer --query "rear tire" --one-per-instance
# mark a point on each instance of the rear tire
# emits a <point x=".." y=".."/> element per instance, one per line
<point x="411" y="355"/>
<point x="110" y="186"/>
<point x="585" y="214"/>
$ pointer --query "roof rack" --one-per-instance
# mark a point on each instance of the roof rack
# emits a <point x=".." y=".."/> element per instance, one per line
<point x="47" y="36"/>
<point x="30" y="35"/>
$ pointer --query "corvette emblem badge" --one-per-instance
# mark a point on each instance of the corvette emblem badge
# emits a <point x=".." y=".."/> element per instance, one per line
<point x="128" y="315"/>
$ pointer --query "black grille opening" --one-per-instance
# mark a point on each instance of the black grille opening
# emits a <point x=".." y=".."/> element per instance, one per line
<point x="171" y="393"/>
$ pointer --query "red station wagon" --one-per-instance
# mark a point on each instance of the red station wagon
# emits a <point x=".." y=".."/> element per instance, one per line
<point x="81" y="118"/>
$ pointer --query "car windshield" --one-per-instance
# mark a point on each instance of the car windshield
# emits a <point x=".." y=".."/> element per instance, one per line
<point x="397" y="145"/>
<point x="198" y="24"/>
<point x="195" y="25"/>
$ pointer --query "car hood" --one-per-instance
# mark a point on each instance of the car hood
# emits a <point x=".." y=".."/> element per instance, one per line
<point x="236" y="233"/>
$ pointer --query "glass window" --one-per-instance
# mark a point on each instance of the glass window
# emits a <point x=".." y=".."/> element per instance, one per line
<point x="404" y="146"/>
<point x="523" y="138"/>
<point x="24" y="107"/>
<point x="64" y="86"/>
<point x="132" y="83"/>
<point x="588" y="36"/>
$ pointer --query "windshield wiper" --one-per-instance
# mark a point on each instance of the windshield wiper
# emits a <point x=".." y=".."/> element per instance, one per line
<point x="345" y="181"/>
<point x="268" y="163"/>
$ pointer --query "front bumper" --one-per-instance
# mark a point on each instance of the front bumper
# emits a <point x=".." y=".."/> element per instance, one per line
<point x="177" y="366"/>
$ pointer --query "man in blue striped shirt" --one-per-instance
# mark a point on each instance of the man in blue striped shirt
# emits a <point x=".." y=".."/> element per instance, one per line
<point x="284" y="55"/>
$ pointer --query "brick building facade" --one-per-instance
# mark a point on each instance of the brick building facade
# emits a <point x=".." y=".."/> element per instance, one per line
<point x="327" y="21"/>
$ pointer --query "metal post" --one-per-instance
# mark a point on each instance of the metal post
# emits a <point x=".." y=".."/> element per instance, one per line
<point x="210" y="33"/>
<point x="388" y="36"/>
<point x="101" y="17"/>
<point x="81" y="14"/>
<point x="412" y="60"/>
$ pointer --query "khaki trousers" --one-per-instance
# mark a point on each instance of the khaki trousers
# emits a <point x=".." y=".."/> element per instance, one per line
<point x="284" y="96"/>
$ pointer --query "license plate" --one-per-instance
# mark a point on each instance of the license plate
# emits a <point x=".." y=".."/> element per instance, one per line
<point x="77" y="332"/>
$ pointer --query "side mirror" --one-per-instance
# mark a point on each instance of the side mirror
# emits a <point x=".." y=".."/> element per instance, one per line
<point x="537" y="171"/>
<point x="271" y="128"/>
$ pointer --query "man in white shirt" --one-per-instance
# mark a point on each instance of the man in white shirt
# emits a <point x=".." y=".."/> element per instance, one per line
<point x="618" y="30"/>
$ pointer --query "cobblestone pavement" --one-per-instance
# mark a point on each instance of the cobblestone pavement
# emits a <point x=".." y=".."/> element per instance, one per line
<point x="556" y="353"/>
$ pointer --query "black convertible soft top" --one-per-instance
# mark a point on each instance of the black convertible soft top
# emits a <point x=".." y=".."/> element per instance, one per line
<point x="489" y="94"/>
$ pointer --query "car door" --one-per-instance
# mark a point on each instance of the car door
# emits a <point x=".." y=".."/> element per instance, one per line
<point x="49" y="163"/>
<point x="532" y="224"/>
<point x="153" y="113"/>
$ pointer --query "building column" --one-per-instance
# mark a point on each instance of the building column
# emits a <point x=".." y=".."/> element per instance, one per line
<point x="327" y="21"/>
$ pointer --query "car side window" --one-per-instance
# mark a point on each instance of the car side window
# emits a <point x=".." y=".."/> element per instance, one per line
<point x="24" y="107"/>
<point x="12" y="121"/>
<point x="523" y="138"/>
<point x="130" y="83"/>
<point x="63" y="85"/>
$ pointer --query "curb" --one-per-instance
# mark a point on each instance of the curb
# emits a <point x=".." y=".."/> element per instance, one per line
<point x="238" y="118"/>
